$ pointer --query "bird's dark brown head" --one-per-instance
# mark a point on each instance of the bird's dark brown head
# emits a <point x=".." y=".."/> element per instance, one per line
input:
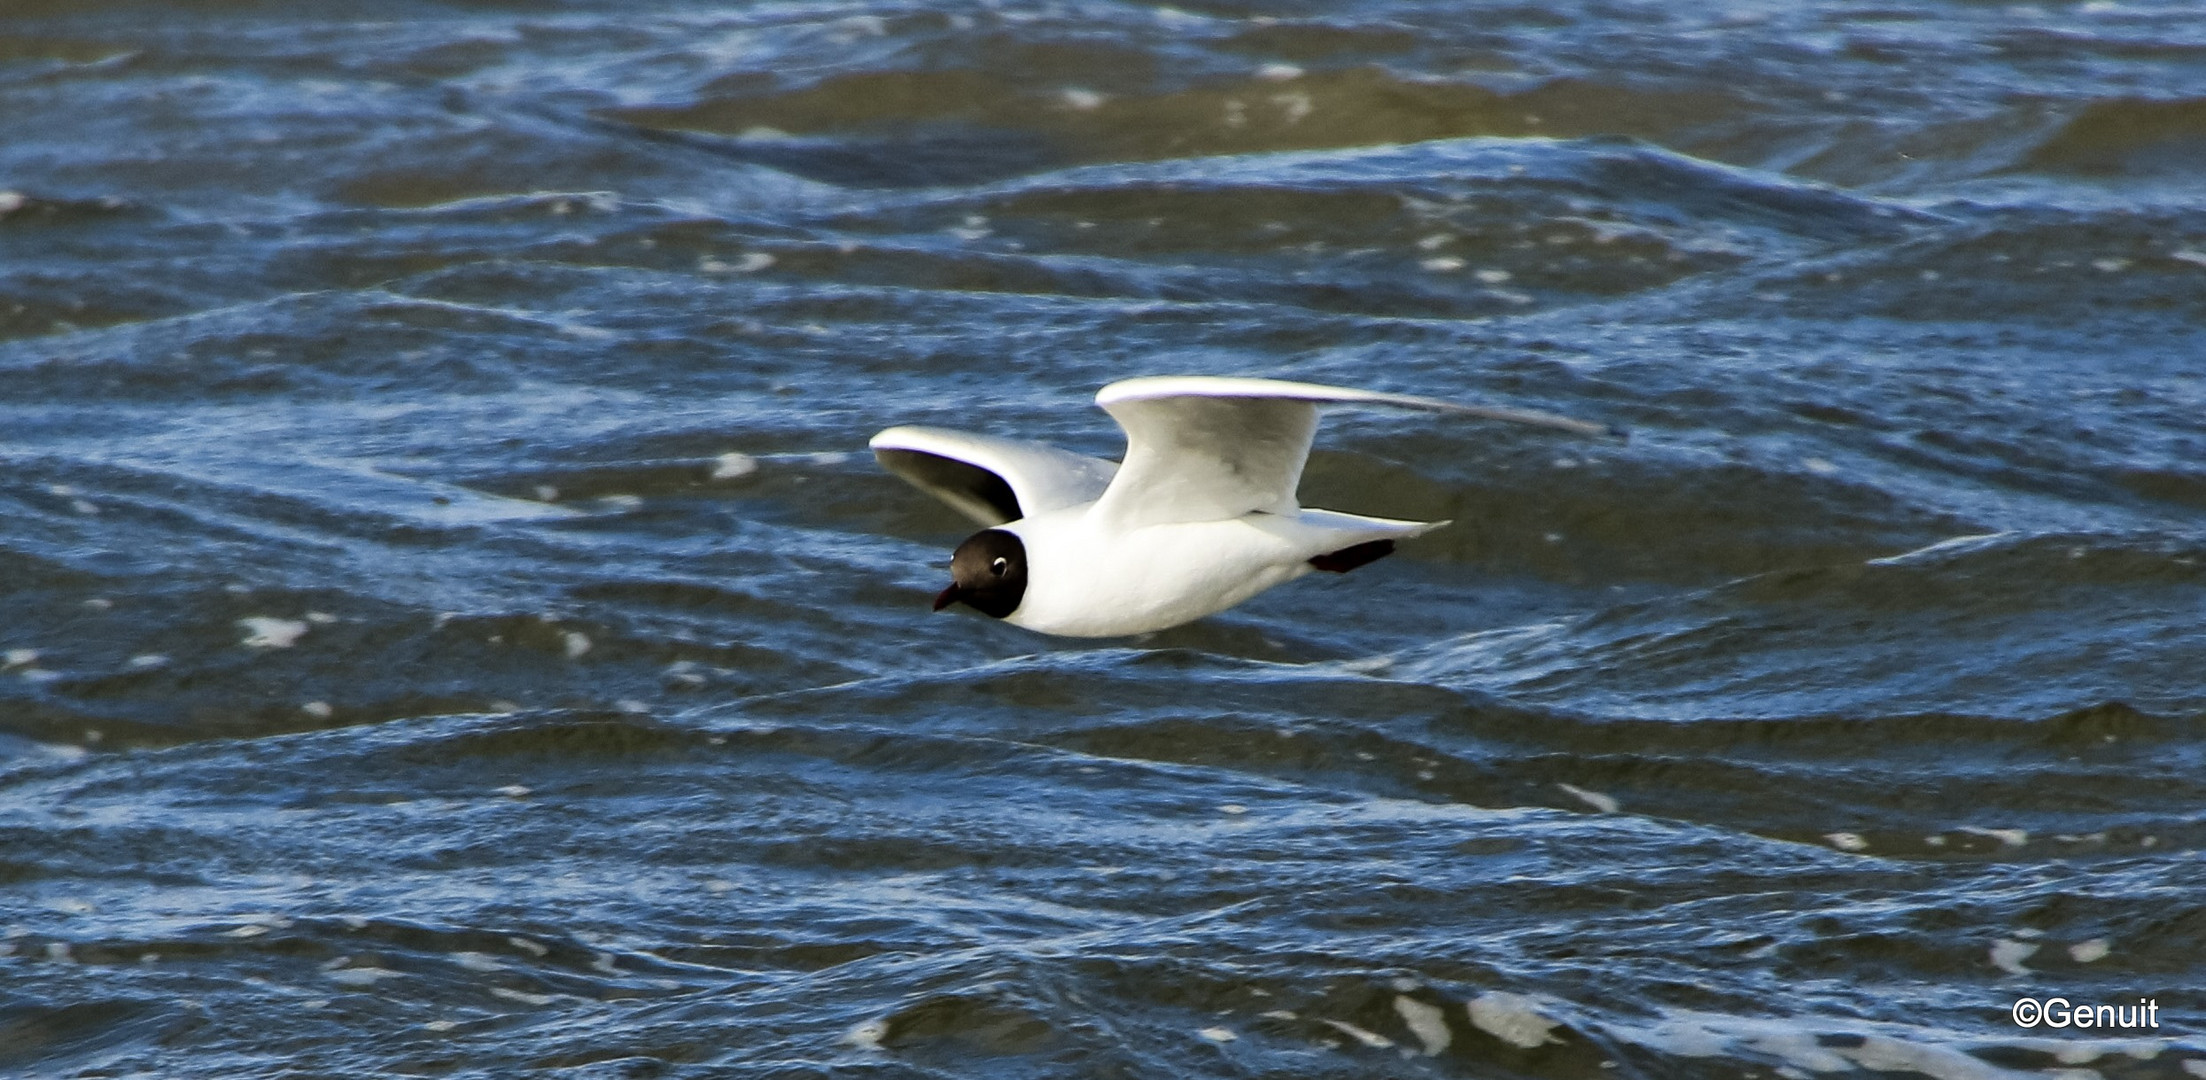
<point x="987" y="574"/>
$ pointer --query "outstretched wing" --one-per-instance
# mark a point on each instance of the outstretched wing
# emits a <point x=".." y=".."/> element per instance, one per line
<point x="1202" y="448"/>
<point x="991" y="480"/>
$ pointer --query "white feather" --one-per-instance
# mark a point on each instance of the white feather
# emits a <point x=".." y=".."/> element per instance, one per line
<point x="1041" y="476"/>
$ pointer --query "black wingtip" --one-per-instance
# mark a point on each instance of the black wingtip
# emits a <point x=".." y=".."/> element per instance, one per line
<point x="1353" y="556"/>
<point x="968" y="487"/>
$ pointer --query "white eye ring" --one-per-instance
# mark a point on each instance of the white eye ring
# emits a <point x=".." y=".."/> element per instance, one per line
<point x="1000" y="565"/>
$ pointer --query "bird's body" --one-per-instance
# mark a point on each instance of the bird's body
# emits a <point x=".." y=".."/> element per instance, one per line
<point x="1199" y="517"/>
<point x="1085" y="582"/>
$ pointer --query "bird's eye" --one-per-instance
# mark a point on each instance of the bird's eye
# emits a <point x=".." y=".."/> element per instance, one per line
<point x="1000" y="565"/>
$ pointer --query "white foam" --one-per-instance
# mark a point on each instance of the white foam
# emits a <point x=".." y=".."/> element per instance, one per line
<point x="1605" y="803"/>
<point x="1371" y="1039"/>
<point x="475" y="961"/>
<point x="731" y="465"/>
<point x="525" y="945"/>
<point x="1082" y="99"/>
<point x="513" y="791"/>
<point x="2013" y="838"/>
<point x="577" y="643"/>
<point x="2088" y="952"/>
<point x="1513" y="1018"/>
<point x="20" y="657"/>
<point x="1690" y="1037"/>
<point x="2081" y="1053"/>
<point x="441" y="1025"/>
<point x="148" y="660"/>
<point x="320" y="710"/>
<point x="1218" y="1035"/>
<point x="1426" y="1022"/>
<point x="1276" y="72"/>
<point x="2008" y="956"/>
<point x="1846" y="841"/>
<point x="1494" y="277"/>
<point x="362" y="976"/>
<point x="1801" y="1050"/>
<point x="1441" y="264"/>
<point x="1879" y="1054"/>
<point x="868" y="1034"/>
<point x="269" y="632"/>
<point x="1949" y="544"/>
<point x="12" y="201"/>
<point x="522" y="996"/>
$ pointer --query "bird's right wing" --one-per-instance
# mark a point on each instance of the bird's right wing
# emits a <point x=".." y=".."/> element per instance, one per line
<point x="991" y="480"/>
<point x="1206" y="448"/>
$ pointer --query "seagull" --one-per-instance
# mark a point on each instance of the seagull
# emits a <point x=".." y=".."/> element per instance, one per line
<point x="1200" y="516"/>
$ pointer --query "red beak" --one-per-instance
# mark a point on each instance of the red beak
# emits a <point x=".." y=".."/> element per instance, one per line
<point x="947" y="597"/>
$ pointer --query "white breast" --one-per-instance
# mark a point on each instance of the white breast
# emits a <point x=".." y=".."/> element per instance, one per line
<point x="1086" y="580"/>
<point x="1083" y="583"/>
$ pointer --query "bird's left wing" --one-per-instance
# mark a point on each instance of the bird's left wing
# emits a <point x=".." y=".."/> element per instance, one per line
<point x="1204" y="448"/>
<point x="991" y="480"/>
